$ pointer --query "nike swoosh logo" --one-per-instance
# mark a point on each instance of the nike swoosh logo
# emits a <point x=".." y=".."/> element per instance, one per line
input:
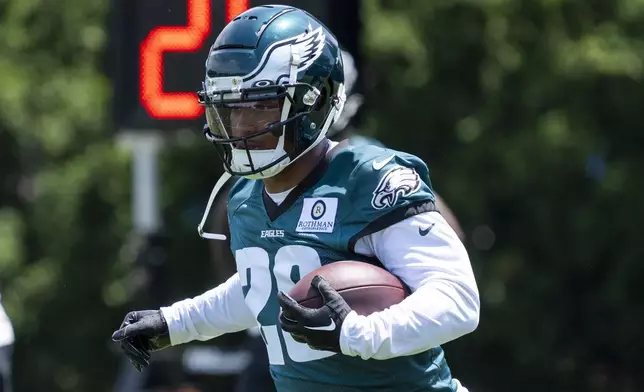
<point x="330" y="327"/>
<point x="379" y="165"/>
<point x="424" y="232"/>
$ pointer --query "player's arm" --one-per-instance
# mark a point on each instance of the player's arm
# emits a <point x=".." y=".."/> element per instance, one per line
<point x="394" y="218"/>
<point x="413" y="241"/>
<point x="444" y="303"/>
<point x="211" y="314"/>
<point x="214" y="313"/>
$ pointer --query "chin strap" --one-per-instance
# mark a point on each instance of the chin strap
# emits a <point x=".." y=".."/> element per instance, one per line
<point x="206" y="132"/>
<point x="215" y="190"/>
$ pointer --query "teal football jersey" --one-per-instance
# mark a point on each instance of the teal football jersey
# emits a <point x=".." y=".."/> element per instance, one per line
<point x="355" y="191"/>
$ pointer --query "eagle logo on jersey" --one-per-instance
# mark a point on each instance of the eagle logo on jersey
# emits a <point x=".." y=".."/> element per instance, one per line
<point x="276" y="60"/>
<point x="398" y="182"/>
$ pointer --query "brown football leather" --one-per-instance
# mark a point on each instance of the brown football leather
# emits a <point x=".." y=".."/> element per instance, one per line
<point x="365" y="287"/>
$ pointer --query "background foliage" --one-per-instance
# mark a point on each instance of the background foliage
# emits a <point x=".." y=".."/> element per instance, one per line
<point x="526" y="111"/>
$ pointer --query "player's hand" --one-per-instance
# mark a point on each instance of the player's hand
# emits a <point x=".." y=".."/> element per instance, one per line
<point x="319" y="328"/>
<point x="141" y="333"/>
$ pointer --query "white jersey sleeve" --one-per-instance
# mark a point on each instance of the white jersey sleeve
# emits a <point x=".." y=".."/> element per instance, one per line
<point x="425" y="252"/>
<point x="214" y="313"/>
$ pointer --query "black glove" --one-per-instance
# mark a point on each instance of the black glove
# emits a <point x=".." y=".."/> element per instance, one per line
<point x="141" y="333"/>
<point x="319" y="328"/>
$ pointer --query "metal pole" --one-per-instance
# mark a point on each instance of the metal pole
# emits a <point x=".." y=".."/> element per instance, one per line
<point x="147" y="226"/>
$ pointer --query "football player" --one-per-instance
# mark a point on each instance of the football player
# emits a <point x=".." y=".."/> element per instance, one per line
<point x="256" y="375"/>
<point x="274" y="86"/>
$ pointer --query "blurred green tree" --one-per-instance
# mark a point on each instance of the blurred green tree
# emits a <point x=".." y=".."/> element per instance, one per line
<point x="64" y="200"/>
<point x="528" y="115"/>
<point x="526" y="111"/>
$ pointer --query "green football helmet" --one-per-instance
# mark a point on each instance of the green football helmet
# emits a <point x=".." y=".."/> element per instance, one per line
<point x="272" y="70"/>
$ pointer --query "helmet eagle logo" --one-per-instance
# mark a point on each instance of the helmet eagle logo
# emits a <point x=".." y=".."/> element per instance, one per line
<point x="276" y="60"/>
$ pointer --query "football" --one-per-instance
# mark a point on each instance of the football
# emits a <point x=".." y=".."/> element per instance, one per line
<point x="365" y="287"/>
